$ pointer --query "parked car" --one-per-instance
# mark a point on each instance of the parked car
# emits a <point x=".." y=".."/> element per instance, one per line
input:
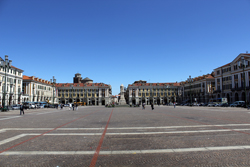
<point x="217" y="104"/>
<point x="15" y="107"/>
<point x="237" y="104"/>
<point x="195" y="104"/>
<point x="25" y="106"/>
<point x="211" y="104"/>
<point x="224" y="105"/>
<point x="32" y="106"/>
<point x="40" y="106"/>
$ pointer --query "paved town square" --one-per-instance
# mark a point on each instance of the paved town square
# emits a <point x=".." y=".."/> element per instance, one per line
<point x="126" y="136"/>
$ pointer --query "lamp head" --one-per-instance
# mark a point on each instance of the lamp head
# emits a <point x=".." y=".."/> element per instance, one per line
<point x="6" y="58"/>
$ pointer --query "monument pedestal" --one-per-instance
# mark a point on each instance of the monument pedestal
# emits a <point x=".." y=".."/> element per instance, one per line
<point x="122" y="102"/>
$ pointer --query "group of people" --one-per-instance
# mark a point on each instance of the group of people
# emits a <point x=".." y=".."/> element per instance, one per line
<point x="143" y="106"/>
<point x="73" y="106"/>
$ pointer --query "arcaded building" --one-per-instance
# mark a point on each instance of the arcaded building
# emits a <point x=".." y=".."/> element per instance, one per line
<point x="157" y="93"/>
<point x="84" y="92"/>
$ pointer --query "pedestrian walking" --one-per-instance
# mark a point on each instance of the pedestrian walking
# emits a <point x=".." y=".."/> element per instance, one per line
<point x="73" y="105"/>
<point x="21" y="109"/>
<point x="70" y="106"/>
<point x="174" y="104"/>
<point x="152" y="106"/>
<point x="76" y="106"/>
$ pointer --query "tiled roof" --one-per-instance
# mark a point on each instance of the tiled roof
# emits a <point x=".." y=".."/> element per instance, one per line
<point x="80" y="84"/>
<point x="155" y="84"/>
<point x="26" y="77"/>
<point x="35" y="79"/>
<point x="208" y="76"/>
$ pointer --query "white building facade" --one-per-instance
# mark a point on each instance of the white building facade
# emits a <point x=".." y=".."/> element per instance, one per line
<point x="39" y="90"/>
<point x="10" y="83"/>
<point x="229" y="79"/>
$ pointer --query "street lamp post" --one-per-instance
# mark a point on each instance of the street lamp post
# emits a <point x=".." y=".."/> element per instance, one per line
<point x="243" y="61"/>
<point x="53" y="81"/>
<point x="190" y="80"/>
<point x="6" y="65"/>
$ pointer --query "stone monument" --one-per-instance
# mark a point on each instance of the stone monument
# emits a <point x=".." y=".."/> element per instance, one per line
<point x="122" y="100"/>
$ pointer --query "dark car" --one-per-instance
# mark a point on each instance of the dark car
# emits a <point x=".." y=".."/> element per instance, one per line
<point x="25" y="106"/>
<point x="224" y="105"/>
<point x="238" y="104"/>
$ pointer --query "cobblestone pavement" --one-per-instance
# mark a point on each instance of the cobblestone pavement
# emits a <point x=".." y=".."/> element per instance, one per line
<point x="99" y="136"/>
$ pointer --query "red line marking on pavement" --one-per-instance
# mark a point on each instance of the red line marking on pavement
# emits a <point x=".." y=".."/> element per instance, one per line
<point x="219" y="127"/>
<point x="94" y="159"/>
<point x="45" y="132"/>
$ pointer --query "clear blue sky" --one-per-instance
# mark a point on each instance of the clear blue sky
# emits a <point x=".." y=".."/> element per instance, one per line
<point x="119" y="41"/>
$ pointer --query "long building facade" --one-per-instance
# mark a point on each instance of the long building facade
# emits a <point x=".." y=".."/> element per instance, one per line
<point x="157" y="93"/>
<point x="231" y="81"/>
<point x="84" y="92"/>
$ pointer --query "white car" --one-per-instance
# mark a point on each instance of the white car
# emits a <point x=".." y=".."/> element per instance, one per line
<point x="40" y="106"/>
<point x="211" y="104"/>
<point x="32" y="106"/>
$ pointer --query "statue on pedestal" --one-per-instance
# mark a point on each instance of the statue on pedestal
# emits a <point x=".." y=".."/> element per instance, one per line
<point x="122" y="100"/>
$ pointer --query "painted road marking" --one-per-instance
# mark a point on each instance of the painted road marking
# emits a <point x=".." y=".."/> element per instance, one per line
<point x="11" y="139"/>
<point x="45" y="132"/>
<point x="2" y="130"/>
<point x="157" y="151"/>
<point x="161" y="127"/>
<point x="10" y="117"/>
<point x="117" y="134"/>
